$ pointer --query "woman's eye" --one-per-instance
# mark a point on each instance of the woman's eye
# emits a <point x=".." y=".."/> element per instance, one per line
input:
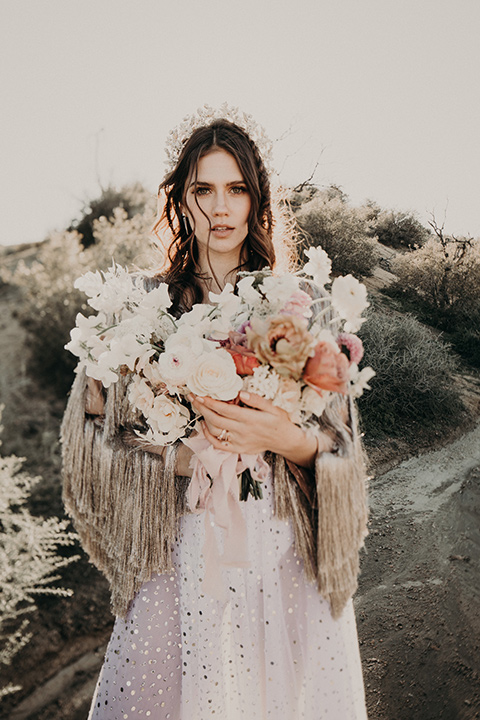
<point x="239" y="189"/>
<point x="202" y="191"/>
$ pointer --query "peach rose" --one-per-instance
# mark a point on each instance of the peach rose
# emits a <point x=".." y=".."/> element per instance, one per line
<point x="282" y="342"/>
<point x="327" y="369"/>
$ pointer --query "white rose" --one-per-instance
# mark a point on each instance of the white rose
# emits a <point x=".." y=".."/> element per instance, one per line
<point x="215" y="375"/>
<point x="179" y="358"/>
<point x="167" y="419"/>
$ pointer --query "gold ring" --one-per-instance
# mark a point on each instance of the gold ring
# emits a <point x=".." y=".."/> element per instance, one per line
<point x="223" y="435"/>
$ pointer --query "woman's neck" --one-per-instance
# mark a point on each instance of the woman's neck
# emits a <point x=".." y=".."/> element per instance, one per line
<point x="217" y="274"/>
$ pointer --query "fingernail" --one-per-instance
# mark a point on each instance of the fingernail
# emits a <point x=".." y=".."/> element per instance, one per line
<point x="244" y="395"/>
<point x="200" y="400"/>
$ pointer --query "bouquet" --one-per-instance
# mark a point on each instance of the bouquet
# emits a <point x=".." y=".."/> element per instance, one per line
<point x="286" y="338"/>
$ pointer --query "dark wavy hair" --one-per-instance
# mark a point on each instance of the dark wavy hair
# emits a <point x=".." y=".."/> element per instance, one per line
<point x="181" y="270"/>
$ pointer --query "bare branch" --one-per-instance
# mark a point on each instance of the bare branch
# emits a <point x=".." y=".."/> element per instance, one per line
<point x="300" y="186"/>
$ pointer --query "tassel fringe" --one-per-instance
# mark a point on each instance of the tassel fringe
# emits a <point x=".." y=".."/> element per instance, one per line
<point x="125" y="502"/>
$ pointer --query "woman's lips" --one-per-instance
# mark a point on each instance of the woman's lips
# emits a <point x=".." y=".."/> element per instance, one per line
<point x="222" y="231"/>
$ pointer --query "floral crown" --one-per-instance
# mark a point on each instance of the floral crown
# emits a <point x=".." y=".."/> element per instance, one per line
<point x="204" y="117"/>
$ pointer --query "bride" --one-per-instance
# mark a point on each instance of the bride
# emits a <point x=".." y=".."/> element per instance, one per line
<point x="279" y="641"/>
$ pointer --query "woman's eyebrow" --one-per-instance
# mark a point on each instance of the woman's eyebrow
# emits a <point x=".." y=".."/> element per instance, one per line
<point x="204" y="183"/>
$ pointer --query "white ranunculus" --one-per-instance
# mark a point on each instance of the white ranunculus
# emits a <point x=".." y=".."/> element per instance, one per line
<point x="319" y="265"/>
<point x="215" y="375"/>
<point x="175" y="366"/>
<point x="141" y="395"/>
<point x="182" y="350"/>
<point x="167" y="419"/>
<point x="349" y="299"/>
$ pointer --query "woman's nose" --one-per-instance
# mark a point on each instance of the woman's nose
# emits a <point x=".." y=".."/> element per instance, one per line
<point x="220" y="205"/>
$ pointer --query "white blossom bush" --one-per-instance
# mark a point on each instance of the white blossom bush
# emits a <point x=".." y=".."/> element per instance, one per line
<point x="29" y="562"/>
<point x="50" y="302"/>
<point x="329" y="221"/>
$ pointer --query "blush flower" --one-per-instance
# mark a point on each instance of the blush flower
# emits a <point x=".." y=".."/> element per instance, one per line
<point x="167" y="420"/>
<point x="282" y="342"/>
<point x="298" y="304"/>
<point x="353" y="345"/>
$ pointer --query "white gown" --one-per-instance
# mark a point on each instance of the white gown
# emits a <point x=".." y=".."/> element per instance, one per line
<point x="270" y="651"/>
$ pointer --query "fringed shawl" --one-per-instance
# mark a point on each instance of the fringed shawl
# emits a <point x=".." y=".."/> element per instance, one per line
<point x="125" y="502"/>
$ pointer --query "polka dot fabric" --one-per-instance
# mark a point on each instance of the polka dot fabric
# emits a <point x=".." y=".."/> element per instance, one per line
<point x="270" y="651"/>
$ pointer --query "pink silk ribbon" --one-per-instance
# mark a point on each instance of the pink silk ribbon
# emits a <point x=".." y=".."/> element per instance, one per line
<point x="219" y="499"/>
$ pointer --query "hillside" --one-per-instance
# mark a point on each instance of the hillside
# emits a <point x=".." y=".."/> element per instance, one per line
<point x="420" y="583"/>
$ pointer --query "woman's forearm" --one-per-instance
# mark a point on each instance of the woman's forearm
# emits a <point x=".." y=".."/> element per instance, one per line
<point x="301" y="448"/>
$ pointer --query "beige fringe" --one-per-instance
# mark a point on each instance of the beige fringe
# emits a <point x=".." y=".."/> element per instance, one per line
<point x="125" y="502"/>
<point x="330" y="531"/>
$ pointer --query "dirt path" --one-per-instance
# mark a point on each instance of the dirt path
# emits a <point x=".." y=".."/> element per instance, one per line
<point x="417" y="605"/>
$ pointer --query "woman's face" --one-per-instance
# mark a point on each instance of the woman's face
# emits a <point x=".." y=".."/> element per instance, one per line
<point x="221" y="193"/>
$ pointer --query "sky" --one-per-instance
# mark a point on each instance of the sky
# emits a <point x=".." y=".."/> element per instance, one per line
<point x="380" y="96"/>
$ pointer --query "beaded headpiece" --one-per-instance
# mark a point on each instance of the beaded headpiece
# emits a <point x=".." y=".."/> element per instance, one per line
<point x="204" y="117"/>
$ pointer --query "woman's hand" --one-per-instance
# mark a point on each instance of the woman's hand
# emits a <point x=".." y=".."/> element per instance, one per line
<point x="259" y="427"/>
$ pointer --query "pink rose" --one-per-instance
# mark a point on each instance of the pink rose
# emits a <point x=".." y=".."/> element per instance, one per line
<point x="327" y="370"/>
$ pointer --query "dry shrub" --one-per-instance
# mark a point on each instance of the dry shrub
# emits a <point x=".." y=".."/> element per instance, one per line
<point x="414" y="380"/>
<point x="445" y="277"/>
<point x="399" y="230"/>
<point x="442" y="278"/>
<point x="341" y="230"/>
